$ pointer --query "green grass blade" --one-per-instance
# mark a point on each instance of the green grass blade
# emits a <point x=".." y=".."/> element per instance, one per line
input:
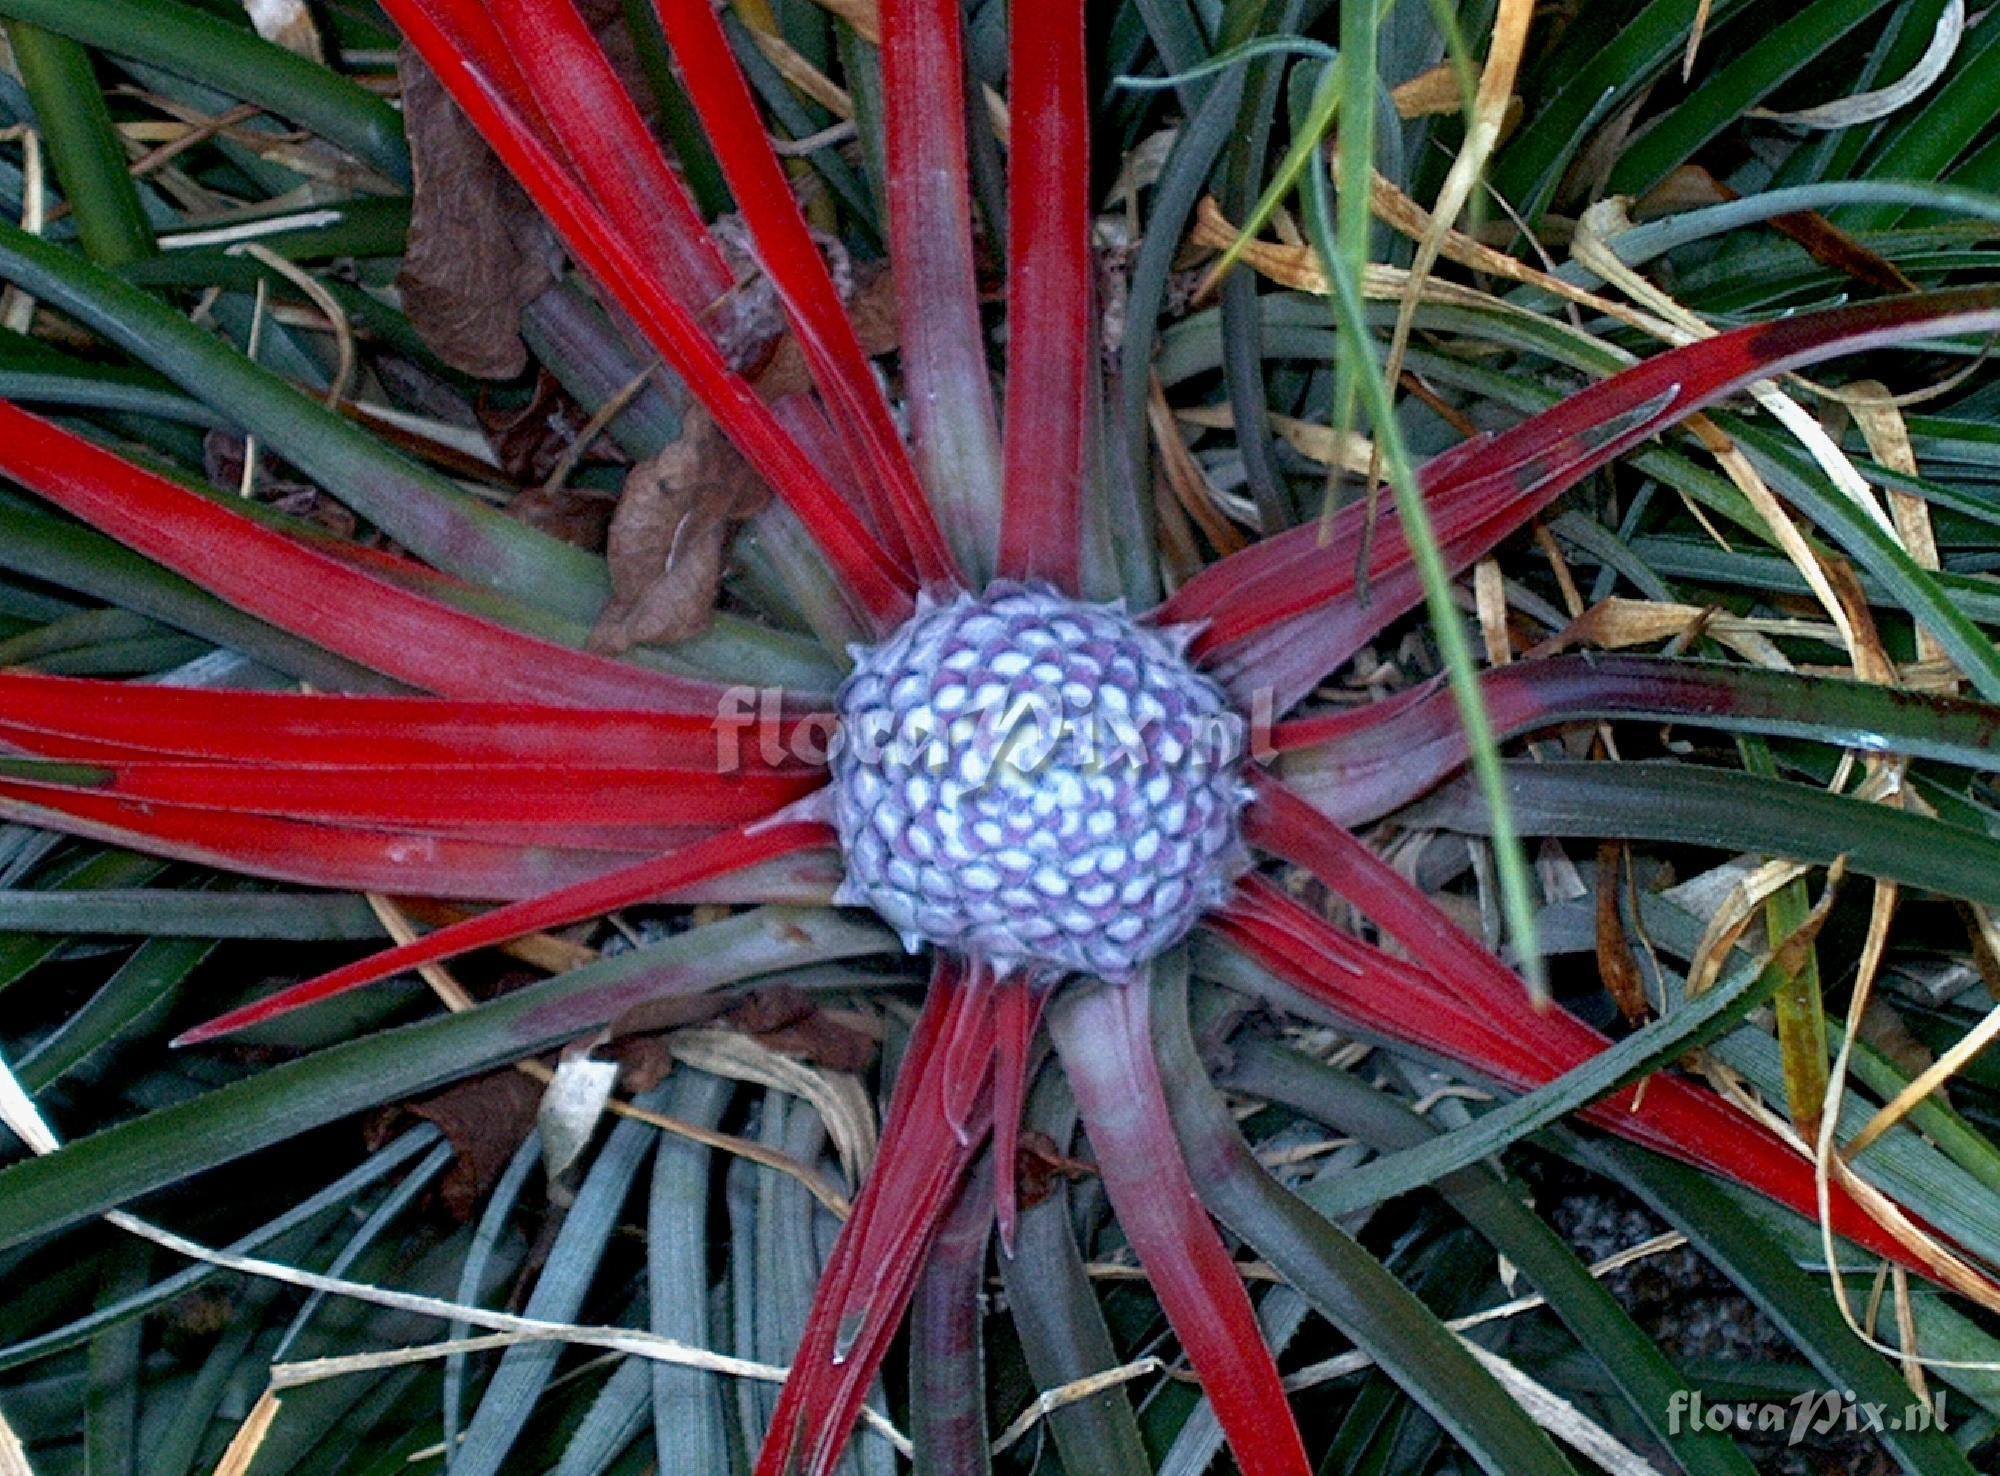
<point x="1516" y="887"/>
<point x="83" y="145"/>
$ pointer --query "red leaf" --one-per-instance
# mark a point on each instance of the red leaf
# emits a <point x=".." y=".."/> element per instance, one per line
<point x="949" y="388"/>
<point x="792" y="260"/>
<point x="1052" y="341"/>
<point x="592" y="116"/>
<point x="648" y="881"/>
<point x="1106" y="1047"/>
<point x="875" y="1263"/>
<point x="1670" y="1115"/>
<point x="526" y="800"/>
<point x="1283" y="608"/>
<point x="884" y="588"/>
<point x="64" y="718"/>
<point x="300" y="588"/>
<point x="1017" y="1010"/>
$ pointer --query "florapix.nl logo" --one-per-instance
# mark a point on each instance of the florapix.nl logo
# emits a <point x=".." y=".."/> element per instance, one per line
<point x="1014" y="733"/>
<point x="1810" y="1413"/>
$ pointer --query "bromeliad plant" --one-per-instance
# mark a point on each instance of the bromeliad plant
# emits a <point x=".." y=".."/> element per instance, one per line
<point x="1045" y="789"/>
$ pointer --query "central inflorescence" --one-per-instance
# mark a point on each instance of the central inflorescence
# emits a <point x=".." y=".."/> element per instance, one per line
<point x="1037" y="783"/>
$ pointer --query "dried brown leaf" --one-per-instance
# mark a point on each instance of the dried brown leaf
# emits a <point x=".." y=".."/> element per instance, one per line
<point x="1617" y="964"/>
<point x="670" y="536"/>
<point x="1691" y="186"/>
<point x="478" y="250"/>
<point x="485" y="1119"/>
<point x="790" y="1022"/>
<point x="575" y="517"/>
<point x="277" y="482"/>
<point x="533" y="439"/>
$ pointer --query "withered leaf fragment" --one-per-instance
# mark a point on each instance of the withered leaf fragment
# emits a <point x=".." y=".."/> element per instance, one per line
<point x="670" y="536"/>
<point x="485" y="1119"/>
<point x="478" y="250"/>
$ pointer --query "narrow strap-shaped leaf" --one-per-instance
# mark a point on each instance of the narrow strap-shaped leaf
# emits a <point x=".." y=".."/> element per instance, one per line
<point x="1484" y="488"/>
<point x="1103" y="1035"/>
<point x="420" y="509"/>
<point x="1056" y="1314"/>
<point x="1733" y="1241"/>
<point x="296" y="1219"/>
<point x="1017" y="1010"/>
<point x="883" y="588"/>
<point x="792" y="260"/>
<point x="1652" y="1386"/>
<point x="565" y="1278"/>
<point x="83" y="719"/>
<point x="436" y="797"/>
<point x="947" y="1342"/>
<point x="1385" y="996"/>
<point x="89" y="161"/>
<point x="474" y="865"/>
<point x="166" y="912"/>
<point x="688" y="1433"/>
<point x="1731" y="810"/>
<point x="1670" y="1115"/>
<point x="567" y="79"/>
<point x="1051" y="338"/>
<point x="133" y="1001"/>
<point x="943" y="345"/>
<point x="329" y="601"/>
<point x="275" y="1105"/>
<point x="875" y="1264"/>
<point x="730" y="852"/>
<point x="1324" y="1263"/>
<point x="467" y="863"/>
<point x="41" y="543"/>
<point x="470" y="851"/>
<point x="1359" y="765"/>
<point x="184" y="40"/>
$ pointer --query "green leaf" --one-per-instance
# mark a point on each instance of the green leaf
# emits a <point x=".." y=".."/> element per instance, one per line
<point x="422" y="510"/>
<point x="167" y="1146"/>
<point x="1056" y="1314"/>
<point x="1603" y="1329"/>
<point x="159" y="912"/>
<point x="83" y="145"/>
<point x="239" y="62"/>
<point x="1733" y="811"/>
<point x="1803" y="1310"/>
<point x="1344" y="1283"/>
